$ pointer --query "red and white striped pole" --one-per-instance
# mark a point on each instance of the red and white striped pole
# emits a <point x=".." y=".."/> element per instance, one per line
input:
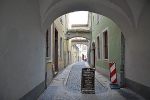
<point x="113" y="74"/>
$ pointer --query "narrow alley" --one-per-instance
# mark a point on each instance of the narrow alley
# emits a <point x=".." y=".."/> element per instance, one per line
<point x="67" y="86"/>
<point x="44" y="43"/>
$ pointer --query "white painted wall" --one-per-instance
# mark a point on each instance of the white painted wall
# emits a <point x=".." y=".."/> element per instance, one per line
<point x="137" y="61"/>
<point x="22" y="48"/>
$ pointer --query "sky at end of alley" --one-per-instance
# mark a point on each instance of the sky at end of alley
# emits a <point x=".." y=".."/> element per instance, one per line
<point x="79" y="17"/>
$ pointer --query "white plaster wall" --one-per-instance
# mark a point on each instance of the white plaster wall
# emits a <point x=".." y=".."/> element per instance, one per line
<point x="137" y="53"/>
<point x="49" y="76"/>
<point x="22" y="48"/>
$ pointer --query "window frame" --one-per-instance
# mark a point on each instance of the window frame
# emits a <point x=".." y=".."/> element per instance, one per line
<point x="98" y="47"/>
<point x="61" y="48"/>
<point x="103" y="44"/>
<point x="97" y="18"/>
<point x="93" y="23"/>
<point x="49" y="55"/>
<point x="85" y="47"/>
<point x="61" y="19"/>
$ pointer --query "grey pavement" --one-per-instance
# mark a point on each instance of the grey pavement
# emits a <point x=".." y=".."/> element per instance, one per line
<point x="67" y="86"/>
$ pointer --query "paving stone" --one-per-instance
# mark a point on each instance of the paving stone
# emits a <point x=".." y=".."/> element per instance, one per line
<point x="49" y="93"/>
<point x="64" y="87"/>
<point x="74" y="80"/>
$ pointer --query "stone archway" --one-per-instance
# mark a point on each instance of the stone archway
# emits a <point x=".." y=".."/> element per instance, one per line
<point x="132" y="20"/>
<point x="57" y="8"/>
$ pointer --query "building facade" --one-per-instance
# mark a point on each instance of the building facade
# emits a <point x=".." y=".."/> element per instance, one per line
<point x="56" y="48"/>
<point x="75" y="54"/>
<point x="105" y="44"/>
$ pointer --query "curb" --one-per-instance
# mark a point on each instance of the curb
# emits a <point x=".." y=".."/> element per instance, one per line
<point x="104" y="84"/>
<point x="103" y="80"/>
<point x="67" y="76"/>
<point x="100" y="81"/>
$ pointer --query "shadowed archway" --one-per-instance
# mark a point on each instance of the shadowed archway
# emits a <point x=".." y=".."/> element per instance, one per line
<point x="132" y="20"/>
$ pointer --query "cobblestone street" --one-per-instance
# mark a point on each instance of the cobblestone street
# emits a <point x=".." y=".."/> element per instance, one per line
<point x="74" y="80"/>
<point x="67" y="86"/>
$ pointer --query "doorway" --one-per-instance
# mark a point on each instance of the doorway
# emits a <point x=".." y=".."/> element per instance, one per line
<point x="56" y="51"/>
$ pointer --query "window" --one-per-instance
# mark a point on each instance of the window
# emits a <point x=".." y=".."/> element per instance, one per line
<point x="61" y="19"/>
<point x="82" y="47"/>
<point x="65" y="24"/>
<point x="98" y="48"/>
<point x="98" y="19"/>
<point x="61" y="47"/>
<point x="93" y="23"/>
<point x="105" y="45"/>
<point x="85" y="47"/>
<point x="49" y="43"/>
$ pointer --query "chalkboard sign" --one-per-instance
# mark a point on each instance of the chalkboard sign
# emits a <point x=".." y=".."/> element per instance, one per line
<point x="88" y="80"/>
